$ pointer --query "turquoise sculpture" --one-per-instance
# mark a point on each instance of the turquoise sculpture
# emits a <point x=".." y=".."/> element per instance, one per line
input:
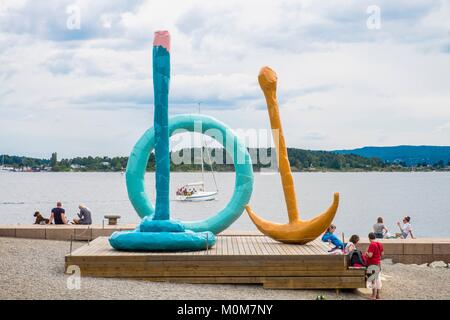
<point x="157" y="232"/>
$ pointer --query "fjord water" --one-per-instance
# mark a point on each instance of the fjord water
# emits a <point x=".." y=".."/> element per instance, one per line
<point x="425" y="196"/>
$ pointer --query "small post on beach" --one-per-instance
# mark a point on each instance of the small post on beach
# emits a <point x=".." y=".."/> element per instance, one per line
<point x="71" y="240"/>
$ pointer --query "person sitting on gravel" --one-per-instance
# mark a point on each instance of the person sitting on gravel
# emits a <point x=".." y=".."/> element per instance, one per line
<point x="380" y="229"/>
<point x="84" y="216"/>
<point x="58" y="215"/>
<point x="331" y="238"/>
<point x="406" y="228"/>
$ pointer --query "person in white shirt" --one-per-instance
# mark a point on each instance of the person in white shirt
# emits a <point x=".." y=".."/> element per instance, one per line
<point x="406" y="228"/>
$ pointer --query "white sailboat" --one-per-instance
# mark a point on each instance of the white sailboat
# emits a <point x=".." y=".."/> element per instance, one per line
<point x="195" y="191"/>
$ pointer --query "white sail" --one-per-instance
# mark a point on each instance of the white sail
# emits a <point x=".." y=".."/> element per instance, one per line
<point x="195" y="191"/>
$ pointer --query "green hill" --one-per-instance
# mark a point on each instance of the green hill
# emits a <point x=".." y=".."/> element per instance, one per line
<point x="408" y="155"/>
<point x="304" y="160"/>
<point x="364" y="159"/>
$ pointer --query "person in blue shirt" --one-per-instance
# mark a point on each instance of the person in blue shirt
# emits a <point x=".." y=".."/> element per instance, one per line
<point x="58" y="215"/>
<point x="330" y="237"/>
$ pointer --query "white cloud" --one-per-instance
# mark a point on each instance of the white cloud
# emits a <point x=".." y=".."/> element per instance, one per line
<point x="445" y="128"/>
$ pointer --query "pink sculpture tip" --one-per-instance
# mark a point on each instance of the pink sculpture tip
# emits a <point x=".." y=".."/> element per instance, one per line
<point x="162" y="38"/>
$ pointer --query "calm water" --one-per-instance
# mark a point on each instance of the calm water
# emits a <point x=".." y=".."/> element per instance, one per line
<point x="364" y="197"/>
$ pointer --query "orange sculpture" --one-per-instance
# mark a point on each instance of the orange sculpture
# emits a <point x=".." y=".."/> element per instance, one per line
<point x="296" y="230"/>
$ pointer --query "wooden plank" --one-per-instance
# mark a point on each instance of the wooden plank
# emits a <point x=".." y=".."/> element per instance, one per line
<point x="242" y="247"/>
<point x="260" y="242"/>
<point x="235" y="246"/>
<point x="314" y="283"/>
<point x="318" y="247"/>
<point x="266" y="243"/>
<point x="291" y="249"/>
<point x="225" y="246"/>
<point x="141" y="271"/>
<point x="243" y="250"/>
<point x="255" y="246"/>
<point x="308" y="250"/>
<point x="243" y="266"/>
<point x="325" y="260"/>
<point x="284" y="248"/>
<point x="244" y="244"/>
<point x="218" y="245"/>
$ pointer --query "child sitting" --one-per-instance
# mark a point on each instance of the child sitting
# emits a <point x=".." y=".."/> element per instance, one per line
<point x="330" y="237"/>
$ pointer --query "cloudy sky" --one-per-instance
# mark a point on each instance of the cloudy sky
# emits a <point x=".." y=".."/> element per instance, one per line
<point x="346" y="78"/>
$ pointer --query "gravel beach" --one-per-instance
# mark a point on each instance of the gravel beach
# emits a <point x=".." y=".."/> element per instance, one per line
<point x="34" y="269"/>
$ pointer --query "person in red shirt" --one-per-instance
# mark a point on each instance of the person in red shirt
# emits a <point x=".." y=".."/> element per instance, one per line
<point x="374" y="253"/>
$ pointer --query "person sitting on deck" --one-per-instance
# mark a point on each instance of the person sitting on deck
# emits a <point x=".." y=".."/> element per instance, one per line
<point x="406" y="228"/>
<point x="58" y="215"/>
<point x="355" y="257"/>
<point x="379" y="229"/>
<point x="330" y="237"/>
<point x="84" y="216"/>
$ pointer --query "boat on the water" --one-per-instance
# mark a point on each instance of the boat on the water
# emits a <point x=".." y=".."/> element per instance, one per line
<point x="195" y="191"/>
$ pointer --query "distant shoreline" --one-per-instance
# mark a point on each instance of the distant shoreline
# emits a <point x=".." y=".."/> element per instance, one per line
<point x="368" y="159"/>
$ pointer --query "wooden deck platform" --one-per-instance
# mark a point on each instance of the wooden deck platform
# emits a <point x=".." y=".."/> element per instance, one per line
<point x="408" y="251"/>
<point x="242" y="259"/>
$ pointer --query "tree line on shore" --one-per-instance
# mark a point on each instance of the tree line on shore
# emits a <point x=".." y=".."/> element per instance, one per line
<point x="300" y="160"/>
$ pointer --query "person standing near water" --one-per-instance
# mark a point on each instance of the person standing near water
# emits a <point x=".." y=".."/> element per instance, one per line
<point x="58" y="215"/>
<point x="84" y="216"/>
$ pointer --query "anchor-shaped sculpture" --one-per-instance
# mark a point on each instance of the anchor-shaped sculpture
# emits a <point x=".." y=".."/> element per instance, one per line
<point x="296" y="230"/>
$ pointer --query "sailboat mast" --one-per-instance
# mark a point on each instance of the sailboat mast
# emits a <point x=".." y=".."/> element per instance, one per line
<point x="201" y="151"/>
<point x="212" y="170"/>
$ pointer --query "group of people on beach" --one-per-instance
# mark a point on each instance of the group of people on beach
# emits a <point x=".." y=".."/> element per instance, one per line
<point x="381" y="232"/>
<point x="58" y="216"/>
<point x="371" y="258"/>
